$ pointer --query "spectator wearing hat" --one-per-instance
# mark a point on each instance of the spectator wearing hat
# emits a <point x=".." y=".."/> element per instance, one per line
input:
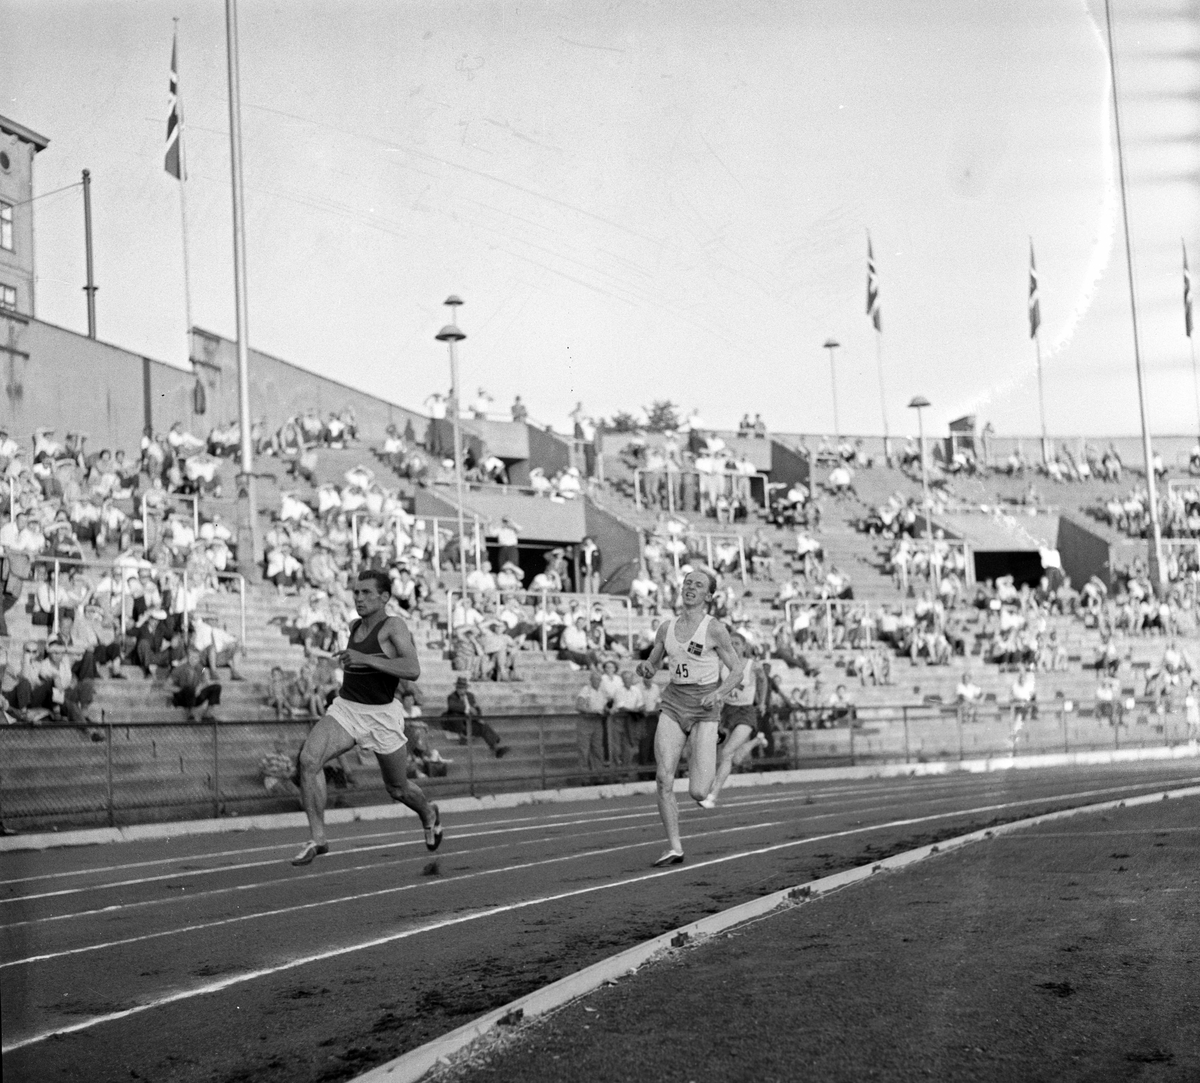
<point x="463" y="717"/>
<point x="154" y="645"/>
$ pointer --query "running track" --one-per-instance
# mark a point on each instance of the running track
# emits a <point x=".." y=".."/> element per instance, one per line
<point x="211" y="958"/>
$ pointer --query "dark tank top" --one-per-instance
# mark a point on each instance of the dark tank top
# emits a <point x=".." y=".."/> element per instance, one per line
<point x="361" y="683"/>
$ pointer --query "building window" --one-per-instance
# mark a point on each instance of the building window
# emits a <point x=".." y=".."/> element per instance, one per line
<point x="8" y="297"/>
<point x="6" y="226"/>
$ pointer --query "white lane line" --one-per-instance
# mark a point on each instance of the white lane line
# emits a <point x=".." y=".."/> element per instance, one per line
<point x="579" y="816"/>
<point x="342" y="900"/>
<point x="832" y="790"/>
<point x="115" y="908"/>
<point x="642" y="814"/>
<point x="416" y="1064"/>
<point x="192" y="992"/>
<point x="875" y="807"/>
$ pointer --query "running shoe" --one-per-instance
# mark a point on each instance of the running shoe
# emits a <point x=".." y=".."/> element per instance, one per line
<point x="310" y="851"/>
<point x="708" y="802"/>
<point x="433" y="831"/>
<point x="671" y="857"/>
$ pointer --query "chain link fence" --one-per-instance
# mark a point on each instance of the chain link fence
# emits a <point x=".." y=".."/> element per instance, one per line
<point x="64" y="776"/>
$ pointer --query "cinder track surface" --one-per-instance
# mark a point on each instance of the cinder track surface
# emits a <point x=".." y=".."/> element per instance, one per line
<point x="213" y="959"/>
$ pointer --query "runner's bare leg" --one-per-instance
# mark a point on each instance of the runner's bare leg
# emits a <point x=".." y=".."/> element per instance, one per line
<point x="669" y="740"/>
<point x="326" y="741"/>
<point x="734" y="743"/>
<point x="702" y="759"/>
<point x="394" y="768"/>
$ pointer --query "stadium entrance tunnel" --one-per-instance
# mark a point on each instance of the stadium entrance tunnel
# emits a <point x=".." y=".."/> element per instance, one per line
<point x="1024" y="565"/>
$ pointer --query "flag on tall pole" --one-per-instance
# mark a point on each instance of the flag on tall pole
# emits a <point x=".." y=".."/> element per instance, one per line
<point x="873" y="309"/>
<point x="1035" y="311"/>
<point x="173" y="162"/>
<point x="1035" y="321"/>
<point x="175" y="165"/>
<point x="876" y="315"/>
<point x="1187" y="293"/>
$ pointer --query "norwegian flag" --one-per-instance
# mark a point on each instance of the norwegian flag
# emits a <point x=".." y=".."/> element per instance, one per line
<point x="173" y="162"/>
<point x="1187" y="294"/>
<point x="873" y="309"/>
<point x="1035" y="310"/>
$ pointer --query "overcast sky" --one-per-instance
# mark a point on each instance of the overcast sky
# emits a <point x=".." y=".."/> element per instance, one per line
<point x="639" y="201"/>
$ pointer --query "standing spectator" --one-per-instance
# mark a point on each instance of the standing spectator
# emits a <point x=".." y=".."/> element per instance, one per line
<point x="589" y="565"/>
<point x="507" y="535"/>
<point x="519" y="412"/>
<point x="625" y="729"/>
<point x="463" y="716"/>
<point x="592" y="704"/>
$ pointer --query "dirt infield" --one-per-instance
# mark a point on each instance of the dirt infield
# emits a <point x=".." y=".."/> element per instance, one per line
<point x="1064" y="952"/>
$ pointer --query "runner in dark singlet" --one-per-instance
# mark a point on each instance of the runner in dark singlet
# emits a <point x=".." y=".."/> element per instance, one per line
<point x="365" y="712"/>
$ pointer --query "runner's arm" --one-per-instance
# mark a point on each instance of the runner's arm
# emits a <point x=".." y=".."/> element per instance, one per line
<point x="398" y="647"/>
<point x="718" y="637"/>
<point x="651" y="665"/>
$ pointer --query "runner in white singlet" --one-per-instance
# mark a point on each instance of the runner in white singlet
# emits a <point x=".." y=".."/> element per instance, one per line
<point x="739" y="719"/>
<point x="693" y="646"/>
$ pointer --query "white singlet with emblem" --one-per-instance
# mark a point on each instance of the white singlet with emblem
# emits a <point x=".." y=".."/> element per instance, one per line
<point x="743" y="694"/>
<point x="693" y="662"/>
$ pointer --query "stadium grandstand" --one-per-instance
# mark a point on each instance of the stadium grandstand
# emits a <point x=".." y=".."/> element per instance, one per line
<point x="977" y="594"/>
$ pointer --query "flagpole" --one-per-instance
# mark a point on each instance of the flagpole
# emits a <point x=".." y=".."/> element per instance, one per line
<point x="887" y="441"/>
<point x="1154" y="554"/>
<point x="1187" y="326"/>
<point x="1037" y="342"/>
<point x="187" y="277"/>
<point x="247" y="497"/>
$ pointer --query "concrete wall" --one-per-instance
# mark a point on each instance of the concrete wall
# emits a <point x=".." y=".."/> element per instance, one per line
<point x="71" y="383"/>
<point x="620" y="548"/>
<point x="1084" y="552"/>
<point x="787" y="465"/>
<point x="279" y="390"/>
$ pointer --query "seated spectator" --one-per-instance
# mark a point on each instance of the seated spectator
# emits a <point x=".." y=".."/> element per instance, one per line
<point x="498" y="651"/>
<point x="216" y="647"/>
<point x="574" y="645"/>
<point x="464" y="718"/>
<point x="968" y="695"/>
<point x="1024" y="695"/>
<point x="291" y="697"/>
<point x="195" y="687"/>
<point x="154" y="645"/>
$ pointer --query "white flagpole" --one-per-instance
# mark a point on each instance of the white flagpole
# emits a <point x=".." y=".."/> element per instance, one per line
<point x="187" y="277"/>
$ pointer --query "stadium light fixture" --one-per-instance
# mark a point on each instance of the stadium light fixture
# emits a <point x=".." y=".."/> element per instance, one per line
<point x="451" y="335"/>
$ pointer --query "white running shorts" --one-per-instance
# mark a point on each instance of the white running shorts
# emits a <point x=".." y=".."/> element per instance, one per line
<point x="377" y="727"/>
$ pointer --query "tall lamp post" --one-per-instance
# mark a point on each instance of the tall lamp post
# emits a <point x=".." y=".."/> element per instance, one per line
<point x="450" y="334"/>
<point x="830" y="345"/>
<point x="919" y="403"/>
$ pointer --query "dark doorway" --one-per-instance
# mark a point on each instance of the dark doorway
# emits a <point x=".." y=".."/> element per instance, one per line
<point x="1025" y="566"/>
<point x="532" y="557"/>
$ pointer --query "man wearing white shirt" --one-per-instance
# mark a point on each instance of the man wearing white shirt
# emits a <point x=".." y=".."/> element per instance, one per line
<point x="628" y="704"/>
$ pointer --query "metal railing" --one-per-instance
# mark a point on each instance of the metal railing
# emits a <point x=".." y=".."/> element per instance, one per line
<point x="828" y="606"/>
<point x="708" y="537"/>
<point x="56" y="564"/>
<point x="118" y="773"/>
<point x="541" y="600"/>
<point x="730" y="486"/>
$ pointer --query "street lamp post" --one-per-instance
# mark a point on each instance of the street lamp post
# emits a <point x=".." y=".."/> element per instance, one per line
<point x="919" y="403"/>
<point x="450" y="334"/>
<point x="830" y="345"/>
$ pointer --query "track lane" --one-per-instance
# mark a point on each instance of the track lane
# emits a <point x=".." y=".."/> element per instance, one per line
<point x="493" y="905"/>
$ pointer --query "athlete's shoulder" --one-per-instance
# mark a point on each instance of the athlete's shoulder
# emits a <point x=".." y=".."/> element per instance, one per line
<point x="395" y="627"/>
